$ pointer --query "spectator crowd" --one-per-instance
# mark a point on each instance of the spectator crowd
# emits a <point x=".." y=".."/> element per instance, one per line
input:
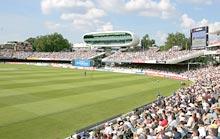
<point x="6" y="53"/>
<point x="151" y="54"/>
<point x="48" y="55"/>
<point x="190" y="113"/>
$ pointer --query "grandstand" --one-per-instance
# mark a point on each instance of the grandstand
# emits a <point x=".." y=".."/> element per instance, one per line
<point x="17" y="46"/>
<point x="68" y="56"/>
<point x="155" y="57"/>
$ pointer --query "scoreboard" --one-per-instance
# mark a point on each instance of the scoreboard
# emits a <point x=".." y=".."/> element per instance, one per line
<point x="199" y="37"/>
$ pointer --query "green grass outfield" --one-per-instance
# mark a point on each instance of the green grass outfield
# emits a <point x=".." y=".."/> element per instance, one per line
<point x="51" y="103"/>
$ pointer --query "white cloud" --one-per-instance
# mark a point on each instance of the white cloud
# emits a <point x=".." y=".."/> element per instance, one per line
<point x="198" y="2"/>
<point x="106" y="27"/>
<point x="135" y="5"/>
<point x="51" y="25"/>
<point x="95" y="13"/>
<point x="89" y="15"/>
<point x="94" y="25"/>
<point x="161" y="37"/>
<point x="81" y="24"/>
<point x="48" y="5"/>
<point x="163" y="8"/>
<point x="214" y="27"/>
<point x="111" y="5"/>
<point x="82" y="15"/>
<point x="87" y="21"/>
<point x="188" y="23"/>
<point x="203" y="22"/>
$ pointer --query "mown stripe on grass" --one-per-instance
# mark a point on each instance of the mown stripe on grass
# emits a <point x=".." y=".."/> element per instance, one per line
<point x="44" y="95"/>
<point x="40" y="72"/>
<point x="55" y="80"/>
<point x="48" y="87"/>
<point x="40" y="75"/>
<point x="49" y="108"/>
<point x="58" y="127"/>
<point x="64" y="103"/>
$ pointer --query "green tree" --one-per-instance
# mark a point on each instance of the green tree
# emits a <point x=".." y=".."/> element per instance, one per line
<point x="177" y="39"/>
<point x="147" y="42"/>
<point x="50" y="43"/>
<point x="31" y="41"/>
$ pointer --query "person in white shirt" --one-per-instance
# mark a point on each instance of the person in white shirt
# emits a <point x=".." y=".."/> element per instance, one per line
<point x="108" y="129"/>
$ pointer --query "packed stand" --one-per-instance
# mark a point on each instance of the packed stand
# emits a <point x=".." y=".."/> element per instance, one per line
<point x="21" y="55"/>
<point x="5" y="53"/>
<point x="65" y="55"/>
<point x="143" y="56"/>
<point x="192" y="112"/>
<point x="49" y="55"/>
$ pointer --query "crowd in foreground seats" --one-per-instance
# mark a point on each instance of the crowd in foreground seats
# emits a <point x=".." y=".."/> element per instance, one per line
<point x="151" y="54"/>
<point x="192" y="112"/>
<point x="49" y="55"/>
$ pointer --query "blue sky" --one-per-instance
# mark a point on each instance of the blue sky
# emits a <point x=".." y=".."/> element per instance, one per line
<point x="21" y="19"/>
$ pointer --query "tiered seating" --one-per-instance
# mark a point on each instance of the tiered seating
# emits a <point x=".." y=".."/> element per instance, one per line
<point x="6" y="53"/>
<point x="147" y="56"/>
<point x="50" y="55"/>
<point x="64" y="55"/>
<point x="21" y="55"/>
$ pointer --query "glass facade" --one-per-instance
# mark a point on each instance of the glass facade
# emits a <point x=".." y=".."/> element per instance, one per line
<point x="108" y="38"/>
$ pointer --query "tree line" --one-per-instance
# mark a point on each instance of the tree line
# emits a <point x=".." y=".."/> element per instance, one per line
<point x="173" y="39"/>
<point x="50" y="43"/>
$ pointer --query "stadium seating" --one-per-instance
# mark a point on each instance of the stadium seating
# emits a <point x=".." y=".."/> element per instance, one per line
<point x="21" y="55"/>
<point x="6" y="53"/>
<point x="65" y="55"/>
<point x="49" y="55"/>
<point x="149" y="56"/>
<point x="192" y="112"/>
<point x="153" y="56"/>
